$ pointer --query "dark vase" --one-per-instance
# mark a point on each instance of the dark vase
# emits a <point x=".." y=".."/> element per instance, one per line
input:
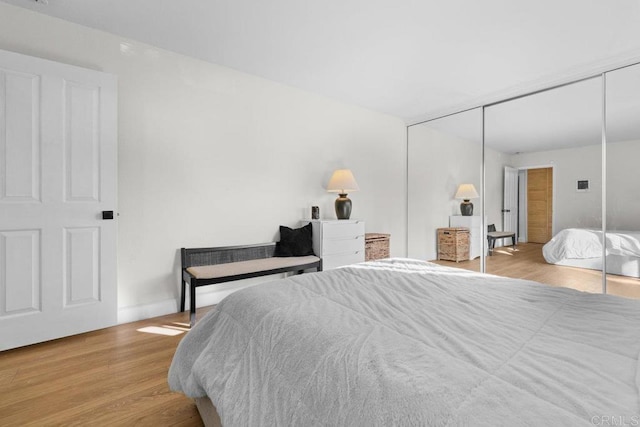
<point x="466" y="208"/>
<point x="343" y="207"/>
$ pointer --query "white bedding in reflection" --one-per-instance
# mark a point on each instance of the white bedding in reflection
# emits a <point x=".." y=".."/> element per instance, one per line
<point x="409" y="343"/>
<point x="583" y="243"/>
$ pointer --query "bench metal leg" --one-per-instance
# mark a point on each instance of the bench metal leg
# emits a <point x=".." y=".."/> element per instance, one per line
<point x="491" y="241"/>
<point x="182" y="295"/>
<point x="192" y="305"/>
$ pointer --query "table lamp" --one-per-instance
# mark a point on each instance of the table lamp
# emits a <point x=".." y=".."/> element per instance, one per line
<point x="466" y="192"/>
<point x="342" y="182"/>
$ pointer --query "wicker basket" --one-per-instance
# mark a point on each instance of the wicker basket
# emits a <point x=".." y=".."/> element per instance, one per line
<point x="453" y="244"/>
<point x="376" y="246"/>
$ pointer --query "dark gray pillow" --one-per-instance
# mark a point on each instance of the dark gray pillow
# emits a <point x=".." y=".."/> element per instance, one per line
<point x="295" y="242"/>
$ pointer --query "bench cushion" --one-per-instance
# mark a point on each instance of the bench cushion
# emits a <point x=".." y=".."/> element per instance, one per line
<point x="500" y="234"/>
<point x="251" y="266"/>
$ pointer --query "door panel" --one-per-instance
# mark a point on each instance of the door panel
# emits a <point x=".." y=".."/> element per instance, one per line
<point x="81" y="140"/>
<point x="20" y="262"/>
<point x="57" y="256"/>
<point x="19" y="136"/>
<point x="81" y="276"/>
<point x="539" y="204"/>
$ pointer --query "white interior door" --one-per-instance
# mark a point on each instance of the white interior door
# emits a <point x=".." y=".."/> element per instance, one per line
<point x="522" y="206"/>
<point x="57" y="175"/>
<point x="510" y="203"/>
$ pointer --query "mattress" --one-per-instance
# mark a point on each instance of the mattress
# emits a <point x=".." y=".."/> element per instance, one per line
<point x="405" y="342"/>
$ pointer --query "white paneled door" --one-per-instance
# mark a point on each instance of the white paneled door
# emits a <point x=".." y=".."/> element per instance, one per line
<point x="510" y="202"/>
<point x="57" y="176"/>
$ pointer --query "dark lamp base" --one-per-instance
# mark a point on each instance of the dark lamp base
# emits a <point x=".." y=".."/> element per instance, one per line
<point x="343" y="207"/>
<point x="466" y="208"/>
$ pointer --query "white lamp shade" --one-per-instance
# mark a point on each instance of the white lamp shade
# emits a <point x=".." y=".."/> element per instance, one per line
<point x="343" y="182"/>
<point x="466" y="192"/>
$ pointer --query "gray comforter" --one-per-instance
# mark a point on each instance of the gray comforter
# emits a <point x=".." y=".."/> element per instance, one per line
<point x="403" y="342"/>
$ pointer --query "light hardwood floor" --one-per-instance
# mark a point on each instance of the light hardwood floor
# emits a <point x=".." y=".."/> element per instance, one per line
<point x="525" y="261"/>
<point x="111" y="377"/>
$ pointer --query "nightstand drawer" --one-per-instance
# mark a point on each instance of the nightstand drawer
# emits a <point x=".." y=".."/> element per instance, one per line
<point x="338" y="260"/>
<point x="338" y="242"/>
<point x="341" y="246"/>
<point x="339" y="230"/>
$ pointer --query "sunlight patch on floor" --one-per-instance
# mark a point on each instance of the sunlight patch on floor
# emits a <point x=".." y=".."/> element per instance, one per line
<point x="181" y="324"/>
<point x="178" y="326"/>
<point x="502" y="251"/>
<point x="161" y="330"/>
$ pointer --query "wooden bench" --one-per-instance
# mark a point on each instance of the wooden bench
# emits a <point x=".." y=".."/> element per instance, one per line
<point x="210" y="266"/>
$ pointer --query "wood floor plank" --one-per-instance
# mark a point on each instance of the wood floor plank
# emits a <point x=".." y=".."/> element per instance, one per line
<point x="525" y="261"/>
<point x="111" y="377"/>
<point x="48" y="379"/>
<point x="154" y="404"/>
<point x="7" y="376"/>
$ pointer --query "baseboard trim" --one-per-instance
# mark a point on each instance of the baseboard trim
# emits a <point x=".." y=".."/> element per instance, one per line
<point x="170" y="306"/>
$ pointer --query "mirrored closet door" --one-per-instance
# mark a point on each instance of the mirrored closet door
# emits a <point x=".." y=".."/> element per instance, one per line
<point x="445" y="189"/>
<point x="543" y="168"/>
<point x="553" y="163"/>
<point x="622" y="181"/>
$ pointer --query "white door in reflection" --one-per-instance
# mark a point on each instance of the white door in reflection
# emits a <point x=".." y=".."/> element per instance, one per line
<point x="510" y="204"/>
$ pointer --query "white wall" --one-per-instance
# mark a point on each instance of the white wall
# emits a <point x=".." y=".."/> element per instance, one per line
<point x="436" y="167"/>
<point x="437" y="163"/>
<point x="209" y="156"/>
<point x="570" y="207"/>
<point x="583" y="209"/>
<point x="623" y="179"/>
<point x="495" y="161"/>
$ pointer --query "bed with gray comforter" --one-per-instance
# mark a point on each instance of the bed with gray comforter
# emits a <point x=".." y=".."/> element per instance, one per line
<point x="409" y="343"/>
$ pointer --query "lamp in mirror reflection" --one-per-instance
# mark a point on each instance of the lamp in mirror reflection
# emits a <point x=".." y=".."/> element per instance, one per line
<point x="342" y="182"/>
<point x="466" y="192"/>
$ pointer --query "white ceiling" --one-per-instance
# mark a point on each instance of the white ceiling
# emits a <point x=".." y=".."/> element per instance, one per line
<point x="566" y="117"/>
<point x="408" y="58"/>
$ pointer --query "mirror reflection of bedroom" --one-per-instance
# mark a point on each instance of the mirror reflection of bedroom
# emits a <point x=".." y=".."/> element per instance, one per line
<point x="549" y="177"/>
<point x="444" y="155"/>
<point x="622" y="180"/>
<point x="551" y="140"/>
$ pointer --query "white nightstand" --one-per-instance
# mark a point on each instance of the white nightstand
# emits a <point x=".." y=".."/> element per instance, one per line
<point x="338" y="242"/>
